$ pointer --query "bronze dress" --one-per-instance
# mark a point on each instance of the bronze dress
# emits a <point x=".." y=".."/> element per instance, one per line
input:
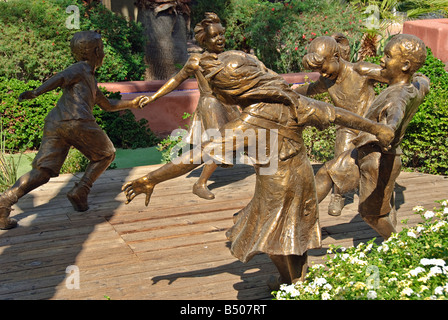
<point x="210" y="113"/>
<point x="282" y="217"/>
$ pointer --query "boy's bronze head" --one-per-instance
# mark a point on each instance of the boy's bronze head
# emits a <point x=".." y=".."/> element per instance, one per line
<point x="87" y="46"/>
<point x="404" y="54"/>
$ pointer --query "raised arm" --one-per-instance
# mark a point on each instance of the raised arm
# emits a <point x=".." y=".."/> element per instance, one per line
<point x="187" y="71"/>
<point x="51" y="84"/>
<point x="371" y="71"/>
<point x="320" y="114"/>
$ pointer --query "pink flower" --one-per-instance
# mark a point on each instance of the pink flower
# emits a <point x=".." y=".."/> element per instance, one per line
<point x="304" y="36"/>
<point x="296" y="48"/>
<point x="273" y="9"/>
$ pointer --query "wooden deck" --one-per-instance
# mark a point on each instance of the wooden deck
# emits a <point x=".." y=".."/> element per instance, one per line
<point x="174" y="249"/>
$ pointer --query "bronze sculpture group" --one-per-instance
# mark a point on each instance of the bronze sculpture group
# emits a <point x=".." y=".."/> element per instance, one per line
<point x="239" y="94"/>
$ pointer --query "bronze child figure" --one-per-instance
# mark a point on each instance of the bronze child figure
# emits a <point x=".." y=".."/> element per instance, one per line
<point x="70" y="123"/>
<point x="370" y="167"/>
<point x="210" y="113"/>
<point x="350" y="86"/>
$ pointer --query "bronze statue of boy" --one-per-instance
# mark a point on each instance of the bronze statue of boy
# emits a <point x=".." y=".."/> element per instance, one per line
<point x="70" y="123"/>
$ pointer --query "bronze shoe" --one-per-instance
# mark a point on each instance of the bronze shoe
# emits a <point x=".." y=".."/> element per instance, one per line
<point x="5" y="221"/>
<point x="78" y="197"/>
<point x="336" y="205"/>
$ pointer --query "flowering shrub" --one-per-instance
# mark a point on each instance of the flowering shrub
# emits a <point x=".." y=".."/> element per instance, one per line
<point x="409" y="265"/>
<point x="280" y="32"/>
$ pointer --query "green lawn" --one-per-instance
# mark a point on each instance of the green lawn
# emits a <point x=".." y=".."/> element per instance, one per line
<point x="125" y="158"/>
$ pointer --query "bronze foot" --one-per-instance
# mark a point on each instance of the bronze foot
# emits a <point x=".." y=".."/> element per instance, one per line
<point x="203" y="192"/>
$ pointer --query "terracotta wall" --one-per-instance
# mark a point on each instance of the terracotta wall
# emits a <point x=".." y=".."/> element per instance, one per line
<point x="165" y="114"/>
<point x="433" y="32"/>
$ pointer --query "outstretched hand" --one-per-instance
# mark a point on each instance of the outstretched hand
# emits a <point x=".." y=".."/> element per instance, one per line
<point x="136" y="187"/>
<point x="27" y="95"/>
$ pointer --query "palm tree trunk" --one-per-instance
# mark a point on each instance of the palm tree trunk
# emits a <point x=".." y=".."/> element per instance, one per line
<point x="166" y="29"/>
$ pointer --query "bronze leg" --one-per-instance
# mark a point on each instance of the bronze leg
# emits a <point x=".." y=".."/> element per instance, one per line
<point x="291" y="268"/>
<point x="323" y="183"/>
<point x="200" y="187"/>
<point x="78" y="195"/>
<point x="26" y="183"/>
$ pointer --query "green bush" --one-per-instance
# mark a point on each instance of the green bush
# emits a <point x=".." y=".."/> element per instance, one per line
<point x="410" y="265"/>
<point x="280" y="32"/>
<point x="23" y="123"/>
<point x="35" y="42"/>
<point x="75" y="162"/>
<point x="425" y="145"/>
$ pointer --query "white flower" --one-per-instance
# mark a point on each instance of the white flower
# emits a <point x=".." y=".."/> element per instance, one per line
<point x="407" y="292"/>
<point x="444" y="203"/>
<point x="435" y="270"/>
<point x="320" y="281"/>
<point x="372" y="294"/>
<point x="369" y="247"/>
<point x="420" y="228"/>
<point x="412" y="234"/>
<point x="416" y="271"/>
<point x="392" y="279"/>
<point x="434" y="262"/>
<point x="345" y="256"/>
<point x="428" y="214"/>
<point x="326" y="296"/>
<point x="291" y="290"/>
<point x="445" y="210"/>
<point x="328" y="286"/>
<point x="438" y="291"/>
<point x="418" y="208"/>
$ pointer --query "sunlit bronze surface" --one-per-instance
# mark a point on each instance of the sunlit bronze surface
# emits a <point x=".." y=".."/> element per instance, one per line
<point x="282" y="218"/>
<point x="370" y="167"/>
